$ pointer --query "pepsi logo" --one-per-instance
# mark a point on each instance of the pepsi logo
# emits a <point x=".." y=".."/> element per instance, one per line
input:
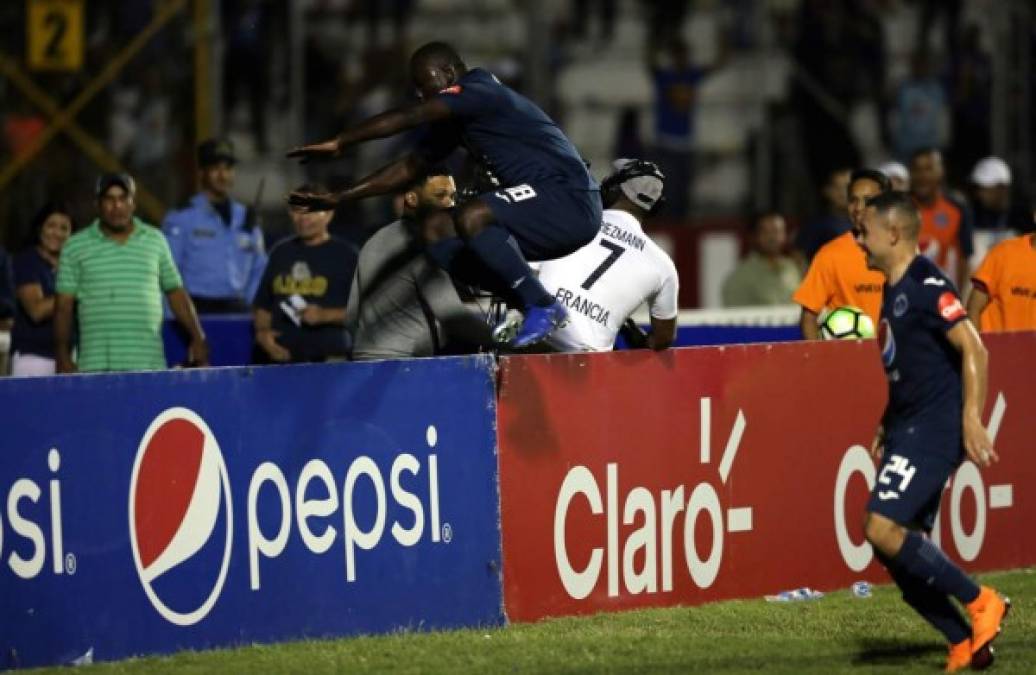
<point x="887" y="342"/>
<point x="179" y="494"/>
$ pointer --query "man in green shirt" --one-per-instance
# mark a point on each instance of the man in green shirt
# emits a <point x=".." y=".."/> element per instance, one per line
<point x="116" y="270"/>
<point x="766" y="276"/>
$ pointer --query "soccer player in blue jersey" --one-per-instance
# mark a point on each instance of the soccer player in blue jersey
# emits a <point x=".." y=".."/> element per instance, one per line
<point x="936" y="367"/>
<point x="547" y="206"/>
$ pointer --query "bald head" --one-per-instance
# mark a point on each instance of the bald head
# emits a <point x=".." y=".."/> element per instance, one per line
<point x="436" y="55"/>
<point x="434" y="67"/>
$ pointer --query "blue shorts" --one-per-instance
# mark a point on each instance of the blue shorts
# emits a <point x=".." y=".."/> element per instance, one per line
<point x="911" y="478"/>
<point x="548" y="220"/>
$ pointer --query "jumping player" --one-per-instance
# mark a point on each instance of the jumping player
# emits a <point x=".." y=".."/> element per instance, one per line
<point x="548" y="205"/>
<point x="936" y="367"/>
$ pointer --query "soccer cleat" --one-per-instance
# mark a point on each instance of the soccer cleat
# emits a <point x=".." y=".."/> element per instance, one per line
<point x="539" y="323"/>
<point x="959" y="656"/>
<point x="987" y="611"/>
<point x="505" y="331"/>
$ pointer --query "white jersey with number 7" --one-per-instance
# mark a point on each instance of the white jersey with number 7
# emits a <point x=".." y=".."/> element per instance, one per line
<point x="602" y="283"/>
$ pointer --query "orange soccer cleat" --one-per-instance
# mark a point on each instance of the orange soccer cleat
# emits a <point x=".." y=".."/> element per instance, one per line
<point x="959" y="656"/>
<point x="987" y="612"/>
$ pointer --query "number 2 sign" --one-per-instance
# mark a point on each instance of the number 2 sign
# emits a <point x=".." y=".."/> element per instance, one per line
<point x="55" y="34"/>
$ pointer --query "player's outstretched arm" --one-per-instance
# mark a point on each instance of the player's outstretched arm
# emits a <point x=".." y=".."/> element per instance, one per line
<point x="386" y="124"/>
<point x="388" y="179"/>
<point x="974" y="369"/>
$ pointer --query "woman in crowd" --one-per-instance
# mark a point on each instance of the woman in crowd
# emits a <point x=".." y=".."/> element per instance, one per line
<point x="32" y="339"/>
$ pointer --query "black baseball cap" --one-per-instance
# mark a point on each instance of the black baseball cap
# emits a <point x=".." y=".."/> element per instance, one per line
<point x="214" y="151"/>
<point x="123" y="180"/>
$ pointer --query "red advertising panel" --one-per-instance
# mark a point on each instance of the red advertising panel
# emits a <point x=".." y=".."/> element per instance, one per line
<point x="640" y="479"/>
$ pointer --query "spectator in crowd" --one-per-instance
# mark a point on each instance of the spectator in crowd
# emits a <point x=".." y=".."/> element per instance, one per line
<point x="676" y="80"/>
<point x="766" y="276"/>
<point x="1003" y="296"/>
<point x="216" y="242"/>
<point x="401" y="304"/>
<point x="898" y="175"/>
<point x="115" y="272"/>
<point x="946" y="221"/>
<point x="604" y="282"/>
<point x="6" y="309"/>
<point x="32" y="340"/>
<point x="299" y="309"/>
<point x="921" y="110"/>
<point x="838" y="275"/>
<point x="833" y="221"/>
<point x="997" y="210"/>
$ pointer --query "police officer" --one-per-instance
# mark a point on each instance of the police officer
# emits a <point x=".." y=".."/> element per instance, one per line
<point x="215" y="241"/>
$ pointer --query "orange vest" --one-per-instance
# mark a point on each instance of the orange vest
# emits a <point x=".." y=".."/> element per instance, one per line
<point x="839" y="276"/>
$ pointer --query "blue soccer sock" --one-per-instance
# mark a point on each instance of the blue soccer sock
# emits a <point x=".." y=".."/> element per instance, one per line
<point x="921" y="558"/>
<point x="495" y="247"/>
<point x="934" y="607"/>
<point x="445" y="251"/>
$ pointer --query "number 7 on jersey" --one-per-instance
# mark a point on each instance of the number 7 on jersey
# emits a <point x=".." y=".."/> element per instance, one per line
<point x="616" y="251"/>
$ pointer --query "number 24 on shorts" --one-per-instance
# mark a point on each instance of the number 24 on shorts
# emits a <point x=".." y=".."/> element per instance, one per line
<point x="897" y="466"/>
<point x="518" y="193"/>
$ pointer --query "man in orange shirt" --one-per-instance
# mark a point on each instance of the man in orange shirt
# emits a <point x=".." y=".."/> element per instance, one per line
<point x="1004" y="293"/>
<point x="838" y="274"/>
<point x="945" y="220"/>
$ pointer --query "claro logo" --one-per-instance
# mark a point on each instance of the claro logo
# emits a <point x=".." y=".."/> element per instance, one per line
<point x="677" y="509"/>
<point x="179" y="492"/>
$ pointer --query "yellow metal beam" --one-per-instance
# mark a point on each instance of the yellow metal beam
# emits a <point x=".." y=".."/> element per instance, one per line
<point x="163" y="13"/>
<point x="202" y="70"/>
<point x="151" y="206"/>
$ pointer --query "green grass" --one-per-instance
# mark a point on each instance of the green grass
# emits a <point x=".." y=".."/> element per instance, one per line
<point x="838" y="633"/>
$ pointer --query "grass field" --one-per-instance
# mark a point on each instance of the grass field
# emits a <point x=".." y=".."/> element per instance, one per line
<point x="838" y="633"/>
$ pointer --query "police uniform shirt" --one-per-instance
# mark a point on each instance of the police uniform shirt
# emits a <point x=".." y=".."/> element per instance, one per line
<point x="216" y="259"/>
<point x="602" y="283"/>
<point x="923" y="368"/>
<point x="507" y="132"/>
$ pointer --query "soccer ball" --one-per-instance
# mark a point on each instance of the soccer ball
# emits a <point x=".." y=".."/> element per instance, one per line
<point x="846" y="323"/>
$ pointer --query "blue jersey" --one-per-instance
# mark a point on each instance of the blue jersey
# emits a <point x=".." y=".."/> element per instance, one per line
<point x="507" y="133"/>
<point x="923" y="368"/>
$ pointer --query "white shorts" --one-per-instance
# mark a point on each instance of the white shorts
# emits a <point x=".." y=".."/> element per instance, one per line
<point x="31" y="365"/>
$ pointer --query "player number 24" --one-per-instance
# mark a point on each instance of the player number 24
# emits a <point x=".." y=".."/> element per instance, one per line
<point x="899" y="466"/>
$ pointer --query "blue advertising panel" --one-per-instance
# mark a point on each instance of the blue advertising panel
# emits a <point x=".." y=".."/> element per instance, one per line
<point x="153" y="512"/>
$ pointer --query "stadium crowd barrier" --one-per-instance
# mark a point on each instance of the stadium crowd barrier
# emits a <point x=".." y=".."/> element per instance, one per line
<point x="230" y="336"/>
<point x="149" y="513"/>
